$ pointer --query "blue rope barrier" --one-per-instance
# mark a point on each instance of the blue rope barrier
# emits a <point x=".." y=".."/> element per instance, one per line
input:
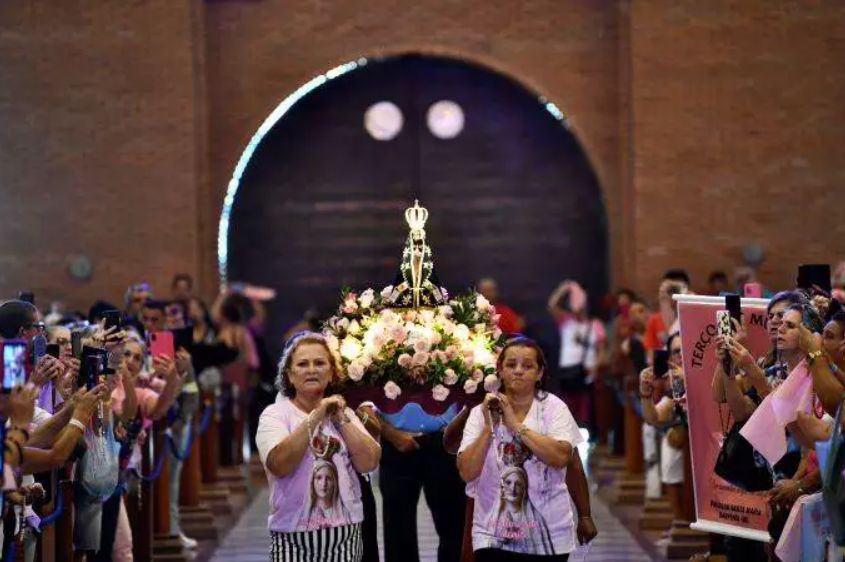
<point x="50" y="518"/>
<point x="154" y="474"/>
<point x="206" y="418"/>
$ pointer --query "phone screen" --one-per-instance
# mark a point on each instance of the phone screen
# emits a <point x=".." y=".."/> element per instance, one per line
<point x="54" y="350"/>
<point x="76" y="344"/>
<point x="14" y="364"/>
<point x="661" y="362"/>
<point x="815" y="274"/>
<point x="112" y="319"/>
<point x="734" y="305"/>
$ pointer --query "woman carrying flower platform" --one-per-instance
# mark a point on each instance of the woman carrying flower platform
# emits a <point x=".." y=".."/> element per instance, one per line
<point x="311" y="446"/>
<point x="514" y="455"/>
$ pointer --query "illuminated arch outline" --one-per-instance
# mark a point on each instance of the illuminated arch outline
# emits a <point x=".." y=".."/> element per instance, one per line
<point x="269" y="123"/>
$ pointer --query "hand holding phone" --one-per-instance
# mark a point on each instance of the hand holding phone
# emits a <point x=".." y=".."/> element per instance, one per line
<point x="161" y="343"/>
<point x="14" y="364"/>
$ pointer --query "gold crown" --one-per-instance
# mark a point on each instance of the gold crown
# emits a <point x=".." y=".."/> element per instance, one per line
<point x="416" y="216"/>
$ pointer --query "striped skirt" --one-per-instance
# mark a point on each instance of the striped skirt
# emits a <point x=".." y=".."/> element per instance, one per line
<point x="335" y="544"/>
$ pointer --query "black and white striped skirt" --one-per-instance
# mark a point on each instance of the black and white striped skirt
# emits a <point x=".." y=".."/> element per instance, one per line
<point x="335" y="544"/>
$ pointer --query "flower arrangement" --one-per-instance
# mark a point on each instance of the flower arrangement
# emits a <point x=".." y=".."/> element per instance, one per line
<point x="450" y="348"/>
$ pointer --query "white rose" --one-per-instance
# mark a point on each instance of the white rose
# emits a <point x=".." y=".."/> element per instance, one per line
<point x="461" y="332"/>
<point x="343" y="324"/>
<point x="439" y="392"/>
<point x="450" y="377"/>
<point x="470" y="386"/>
<point x="481" y="303"/>
<point x="354" y="327"/>
<point x="446" y="311"/>
<point x="392" y="390"/>
<point x="385" y="293"/>
<point x="492" y="383"/>
<point x="367" y="298"/>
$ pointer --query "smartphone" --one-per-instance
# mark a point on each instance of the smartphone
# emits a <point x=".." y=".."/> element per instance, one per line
<point x="26" y="296"/>
<point x="161" y="343"/>
<point x="678" y="387"/>
<point x="91" y="366"/>
<point x="725" y="329"/>
<point x="112" y="319"/>
<point x="76" y="344"/>
<point x="38" y="348"/>
<point x="753" y="291"/>
<point x="814" y="274"/>
<point x="14" y="364"/>
<point x="184" y="337"/>
<point x="54" y="350"/>
<point x="661" y="363"/>
<point x="733" y="304"/>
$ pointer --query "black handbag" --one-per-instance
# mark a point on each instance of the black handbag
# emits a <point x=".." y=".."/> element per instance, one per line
<point x="736" y="463"/>
<point x="833" y="487"/>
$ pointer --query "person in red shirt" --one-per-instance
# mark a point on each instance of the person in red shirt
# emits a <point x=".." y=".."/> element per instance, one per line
<point x="661" y="322"/>
<point x="509" y="321"/>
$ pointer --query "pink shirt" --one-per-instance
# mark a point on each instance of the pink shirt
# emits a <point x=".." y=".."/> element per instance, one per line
<point x="322" y="491"/>
<point x="147" y="400"/>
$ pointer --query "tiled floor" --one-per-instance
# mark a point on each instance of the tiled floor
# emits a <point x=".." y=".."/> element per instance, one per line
<point x="248" y="540"/>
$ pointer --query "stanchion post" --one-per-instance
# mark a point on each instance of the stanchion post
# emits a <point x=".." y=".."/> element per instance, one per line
<point x="189" y="481"/>
<point x="209" y="442"/>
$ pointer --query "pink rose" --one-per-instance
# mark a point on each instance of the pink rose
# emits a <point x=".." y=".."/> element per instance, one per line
<point x="478" y="375"/>
<point x="410" y="316"/>
<point x="470" y="386"/>
<point x="398" y="334"/>
<point x="451" y="352"/>
<point x="492" y="383"/>
<point x="421" y="358"/>
<point x="421" y="345"/>
<point x="449" y="377"/>
<point x="404" y="360"/>
<point x="439" y="392"/>
<point x="392" y="390"/>
<point x="481" y="303"/>
<point x="355" y="371"/>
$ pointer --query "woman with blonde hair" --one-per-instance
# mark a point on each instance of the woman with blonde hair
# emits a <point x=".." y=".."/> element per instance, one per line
<point x="305" y="430"/>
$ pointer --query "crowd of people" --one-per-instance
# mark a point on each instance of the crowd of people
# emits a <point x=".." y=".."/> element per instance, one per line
<point x="82" y="393"/>
<point x="501" y="478"/>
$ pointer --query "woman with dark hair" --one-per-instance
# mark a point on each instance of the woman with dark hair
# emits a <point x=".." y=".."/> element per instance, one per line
<point x="528" y="429"/>
<point x="826" y="356"/>
<point x="666" y="415"/>
<point x="231" y="313"/>
<point x="306" y="429"/>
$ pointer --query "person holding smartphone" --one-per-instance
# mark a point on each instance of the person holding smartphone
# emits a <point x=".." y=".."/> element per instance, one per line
<point x="656" y="383"/>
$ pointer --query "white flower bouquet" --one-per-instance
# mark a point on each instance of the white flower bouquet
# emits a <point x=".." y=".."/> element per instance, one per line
<point x="449" y="350"/>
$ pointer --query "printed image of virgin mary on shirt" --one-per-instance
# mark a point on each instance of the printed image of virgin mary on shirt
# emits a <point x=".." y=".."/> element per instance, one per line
<point x="324" y="505"/>
<point x="517" y="525"/>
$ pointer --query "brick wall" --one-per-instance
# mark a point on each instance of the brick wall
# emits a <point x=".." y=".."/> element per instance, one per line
<point x="120" y="123"/>
<point x="738" y="134"/>
<point x="97" y="145"/>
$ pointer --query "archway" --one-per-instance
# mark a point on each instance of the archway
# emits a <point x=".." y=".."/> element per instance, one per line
<point x="316" y="202"/>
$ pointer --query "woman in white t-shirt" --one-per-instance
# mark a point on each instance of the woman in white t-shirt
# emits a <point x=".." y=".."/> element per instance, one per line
<point x="311" y="445"/>
<point x="514" y="454"/>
